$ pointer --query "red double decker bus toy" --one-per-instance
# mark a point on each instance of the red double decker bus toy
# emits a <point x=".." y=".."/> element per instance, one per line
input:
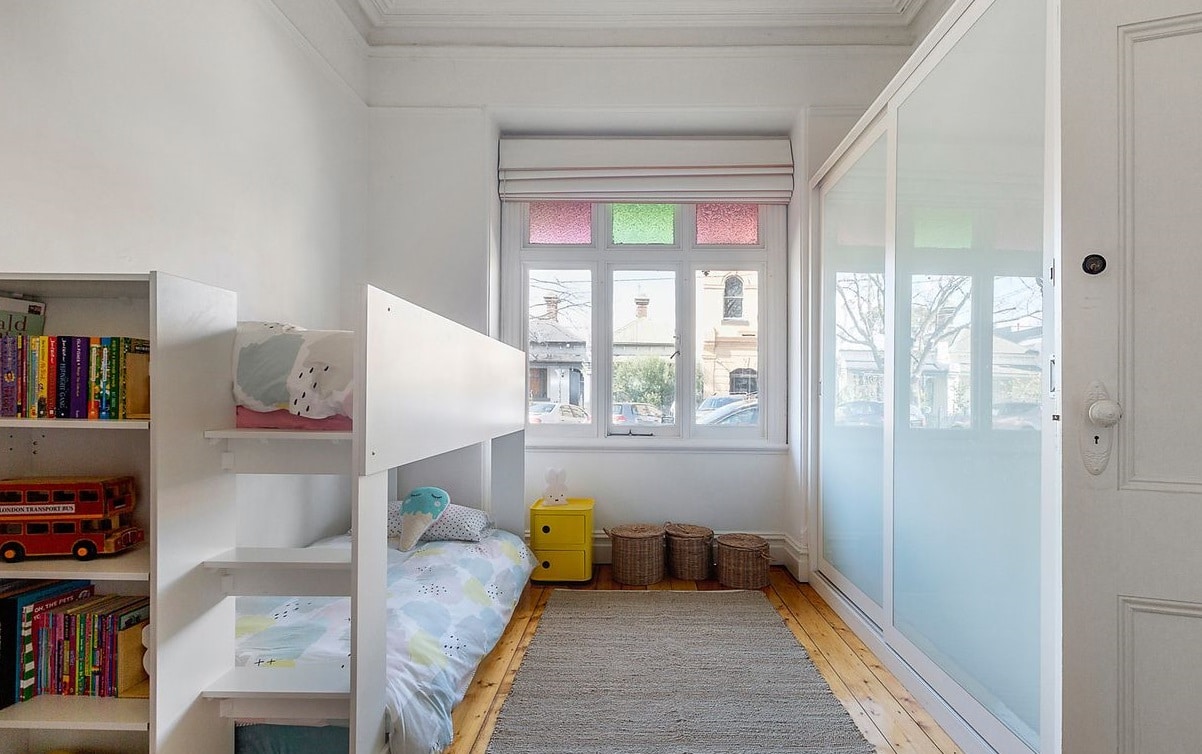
<point x="80" y="516"/>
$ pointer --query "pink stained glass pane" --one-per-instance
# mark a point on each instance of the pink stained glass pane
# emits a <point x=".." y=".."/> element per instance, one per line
<point x="728" y="224"/>
<point x="561" y="223"/>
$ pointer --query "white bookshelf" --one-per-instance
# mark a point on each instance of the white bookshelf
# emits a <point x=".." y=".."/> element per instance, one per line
<point x="185" y="507"/>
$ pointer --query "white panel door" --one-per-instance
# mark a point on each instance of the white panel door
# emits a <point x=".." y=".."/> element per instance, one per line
<point x="1132" y="192"/>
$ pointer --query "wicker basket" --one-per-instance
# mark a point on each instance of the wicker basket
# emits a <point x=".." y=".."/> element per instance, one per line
<point x="638" y="553"/>
<point x="742" y="560"/>
<point x="689" y="551"/>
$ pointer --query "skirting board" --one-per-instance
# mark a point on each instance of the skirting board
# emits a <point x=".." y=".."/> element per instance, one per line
<point x="783" y="549"/>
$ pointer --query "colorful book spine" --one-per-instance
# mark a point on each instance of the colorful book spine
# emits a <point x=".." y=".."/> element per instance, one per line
<point x="43" y="375"/>
<point x="123" y="345"/>
<point x="62" y="377"/>
<point x="78" y="402"/>
<point x="135" y="379"/>
<point x="9" y="364"/>
<point x="115" y="378"/>
<point x="93" y="378"/>
<point x="51" y="376"/>
<point x="22" y="374"/>
<point x="31" y="376"/>
<point x="106" y="378"/>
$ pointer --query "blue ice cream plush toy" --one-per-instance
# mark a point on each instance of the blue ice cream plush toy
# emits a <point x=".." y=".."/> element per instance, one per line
<point x="421" y="508"/>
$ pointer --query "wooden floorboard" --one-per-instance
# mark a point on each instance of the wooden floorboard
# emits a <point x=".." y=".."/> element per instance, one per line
<point x="889" y="716"/>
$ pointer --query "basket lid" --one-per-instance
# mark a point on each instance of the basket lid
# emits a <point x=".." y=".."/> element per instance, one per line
<point x="636" y="531"/>
<point x="742" y="541"/>
<point x="688" y="531"/>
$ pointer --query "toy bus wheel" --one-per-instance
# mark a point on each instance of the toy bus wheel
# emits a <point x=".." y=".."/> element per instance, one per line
<point x="84" y="550"/>
<point x="12" y="552"/>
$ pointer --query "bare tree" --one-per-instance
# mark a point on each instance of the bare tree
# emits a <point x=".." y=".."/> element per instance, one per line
<point x="940" y="311"/>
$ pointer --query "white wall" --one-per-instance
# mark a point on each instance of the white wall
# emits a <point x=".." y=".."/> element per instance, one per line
<point x="428" y="206"/>
<point x="214" y="141"/>
<point x="206" y="140"/>
<point x="434" y="121"/>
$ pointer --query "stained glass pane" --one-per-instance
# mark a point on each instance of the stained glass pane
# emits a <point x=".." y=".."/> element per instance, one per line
<point x="728" y="224"/>
<point x="561" y="223"/>
<point x="644" y="223"/>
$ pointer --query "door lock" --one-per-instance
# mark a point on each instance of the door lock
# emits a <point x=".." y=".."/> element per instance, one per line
<point x="1093" y="264"/>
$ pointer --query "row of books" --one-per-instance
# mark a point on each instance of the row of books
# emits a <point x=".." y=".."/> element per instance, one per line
<point x="60" y="637"/>
<point x="92" y="647"/>
<point x="74" y="377"/>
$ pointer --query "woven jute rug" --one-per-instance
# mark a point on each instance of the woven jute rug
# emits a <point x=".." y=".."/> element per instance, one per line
<point x="659" y="672"/>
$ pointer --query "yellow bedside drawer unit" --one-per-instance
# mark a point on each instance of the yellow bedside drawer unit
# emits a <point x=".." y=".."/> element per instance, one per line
<point x="561" y="537"/>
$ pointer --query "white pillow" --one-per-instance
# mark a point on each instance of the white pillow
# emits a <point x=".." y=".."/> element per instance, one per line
<point x="394" y="518"/>
<point x="457" y="522"/>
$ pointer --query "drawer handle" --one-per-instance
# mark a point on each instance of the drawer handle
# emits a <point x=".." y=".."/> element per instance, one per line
<point x="546" y="529"/>
<point x="546" y="564"/>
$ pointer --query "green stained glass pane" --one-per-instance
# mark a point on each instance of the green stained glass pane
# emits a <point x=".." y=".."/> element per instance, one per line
<point x="644" y="223"/>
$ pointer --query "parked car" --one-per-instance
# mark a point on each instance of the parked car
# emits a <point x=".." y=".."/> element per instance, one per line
<point x="637" y="413"/>
<point x="715" y="402"/>
<point x="743" y="412"/>
<point x="871" y="414"/>
<point x="545" y="412"/>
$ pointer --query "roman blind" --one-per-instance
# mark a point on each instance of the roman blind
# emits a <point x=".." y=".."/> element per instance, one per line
<point x="754" y="171"/>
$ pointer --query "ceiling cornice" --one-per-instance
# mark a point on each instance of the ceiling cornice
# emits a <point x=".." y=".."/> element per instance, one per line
<point x="632" y="22"/>
<point x="593" y="14"/>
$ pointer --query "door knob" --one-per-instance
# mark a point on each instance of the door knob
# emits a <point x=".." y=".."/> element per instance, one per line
<point x="1105" y="412"/>
<point x="1101" y="413"/>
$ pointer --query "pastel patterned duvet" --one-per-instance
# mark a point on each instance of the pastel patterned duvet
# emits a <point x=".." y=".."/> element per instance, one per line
<point x="448" y="603"/>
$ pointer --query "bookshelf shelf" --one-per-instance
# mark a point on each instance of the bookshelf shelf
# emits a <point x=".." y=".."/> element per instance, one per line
<point x="300" y="682"/>
<point x="75" y="423"/>
<point x="133" y="565"/>
<point x="310" y="571"/>
<point x="298" y="558"/>
<point x="77" y="713"/>
<point x="315" y="691"/>
<point x="282" y="451"/>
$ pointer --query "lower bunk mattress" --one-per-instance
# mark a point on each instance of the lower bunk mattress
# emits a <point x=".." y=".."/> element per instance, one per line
<point x="448" y="604"/>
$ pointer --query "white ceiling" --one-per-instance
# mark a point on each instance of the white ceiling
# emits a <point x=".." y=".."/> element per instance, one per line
<point x="605" y="23"/>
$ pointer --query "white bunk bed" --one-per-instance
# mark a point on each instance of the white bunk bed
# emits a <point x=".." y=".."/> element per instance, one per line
<point x="405" y="357"/>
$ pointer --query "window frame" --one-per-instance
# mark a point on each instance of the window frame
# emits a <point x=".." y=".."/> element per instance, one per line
<point x="767" y="258"/>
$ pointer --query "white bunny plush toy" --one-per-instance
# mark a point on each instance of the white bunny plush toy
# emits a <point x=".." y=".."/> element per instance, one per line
<point x="557" y="487"/>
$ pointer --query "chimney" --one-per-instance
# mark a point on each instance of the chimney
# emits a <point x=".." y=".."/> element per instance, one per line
<point x="640" y="305"/>
<point x="552" y="304"/>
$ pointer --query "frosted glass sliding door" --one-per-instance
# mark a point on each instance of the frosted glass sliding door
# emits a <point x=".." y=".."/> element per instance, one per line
<point x="852" y="437"/>
<point x="969" y="337"/>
